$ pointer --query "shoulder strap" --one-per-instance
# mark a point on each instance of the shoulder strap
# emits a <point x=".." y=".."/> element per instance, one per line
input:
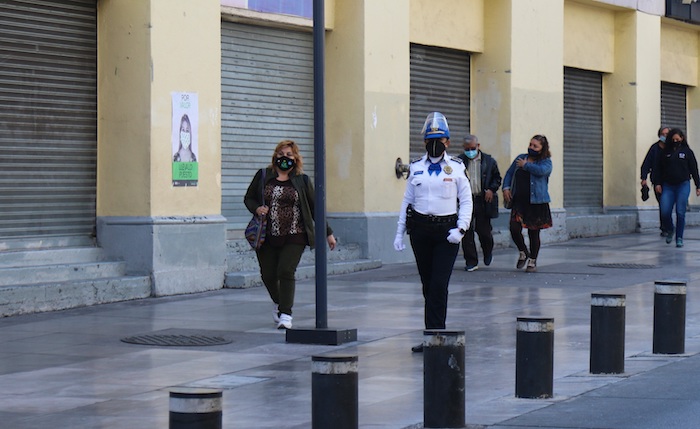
<point x="262" y="186"/>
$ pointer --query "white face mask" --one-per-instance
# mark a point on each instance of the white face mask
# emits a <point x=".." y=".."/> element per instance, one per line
<point x="185" y="139"/>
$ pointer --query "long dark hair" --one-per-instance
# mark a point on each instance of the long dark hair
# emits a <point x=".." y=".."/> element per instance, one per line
<point x="669" y="139"/>
<point x="544" y="153"/>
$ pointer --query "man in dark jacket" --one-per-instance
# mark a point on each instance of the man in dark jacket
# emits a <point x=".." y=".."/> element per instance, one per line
<point x="648" y="165"/>
<point x="485" y="180"/>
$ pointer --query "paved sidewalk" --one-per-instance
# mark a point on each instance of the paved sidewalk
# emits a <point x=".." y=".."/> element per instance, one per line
<point x="69" y="369"/>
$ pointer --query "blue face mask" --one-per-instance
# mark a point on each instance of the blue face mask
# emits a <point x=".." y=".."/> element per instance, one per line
<point x="662" y="139"/>
<point x="471" y="154"/>
<point x="532" y="152"/>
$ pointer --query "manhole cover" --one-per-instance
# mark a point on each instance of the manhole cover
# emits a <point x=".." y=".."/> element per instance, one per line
<point x="623" y="265"/>
<point x="176" y="340"/>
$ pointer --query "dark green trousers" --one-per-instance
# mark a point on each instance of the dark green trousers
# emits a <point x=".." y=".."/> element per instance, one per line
<point x="277" y="268"/>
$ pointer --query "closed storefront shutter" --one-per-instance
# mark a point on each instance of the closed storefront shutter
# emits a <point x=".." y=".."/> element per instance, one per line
<point x="48" y="117"/>
<point x="673" y="106"/>
<point x="266" y="97"/>
<point x="583" y="140"/>
<point x="439" y="83"/>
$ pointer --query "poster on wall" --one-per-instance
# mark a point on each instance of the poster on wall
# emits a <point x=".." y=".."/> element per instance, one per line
<point x="184" y="139"/>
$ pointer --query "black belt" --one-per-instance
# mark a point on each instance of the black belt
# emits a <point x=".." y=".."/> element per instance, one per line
<point x="419" y="217"/>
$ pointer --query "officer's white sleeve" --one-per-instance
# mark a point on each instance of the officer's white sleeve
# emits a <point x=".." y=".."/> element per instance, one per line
<point x="464" y="193"/>
<point x="408" y="198"/>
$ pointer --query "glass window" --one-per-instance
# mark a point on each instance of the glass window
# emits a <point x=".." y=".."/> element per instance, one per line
<point x="302" y="8"/>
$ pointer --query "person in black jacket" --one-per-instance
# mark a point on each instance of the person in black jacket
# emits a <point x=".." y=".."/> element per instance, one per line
<point x="648" y="165"/>
<point x="485" y="180"/>
<point x="671" y="177"/>
<point x="285" y="196"/>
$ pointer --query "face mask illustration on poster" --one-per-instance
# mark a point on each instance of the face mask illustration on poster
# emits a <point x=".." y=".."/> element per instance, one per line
<point x="185" y="150"/>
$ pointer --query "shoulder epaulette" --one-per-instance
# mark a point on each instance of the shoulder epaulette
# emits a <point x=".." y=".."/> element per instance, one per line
<point x="456" y="159"/>
<point x="416" y="159"/>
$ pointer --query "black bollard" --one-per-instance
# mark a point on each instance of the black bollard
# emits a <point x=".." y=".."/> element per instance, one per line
<point x="334" y="402"/>
<point x="443" y="379"/>
<point x="607" y="354"/>
<point x="195" y="408"/>
<point x="534" y="358"/>
<point x="669" y="317"/>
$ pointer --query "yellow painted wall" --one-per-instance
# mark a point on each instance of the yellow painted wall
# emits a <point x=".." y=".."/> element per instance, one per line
<point x="186" y="57"/>
<point x="679" y="47"/>
<point x="631" y="105"/>
<point x="367" y="101"/>
<point x="345" y="109"/>
<point x="368" y="90"/>
<point x="491" y="84"/>
<point x="123" y="108"/>
<point x="589" y="37"/>
<point x="648" y="102"/>
<point x="387" y="100"/>
<point x="456" y="24"/>
<point x="537" y="105"/>
<point x="147" y="50"/>
<point x="517" y="82"/>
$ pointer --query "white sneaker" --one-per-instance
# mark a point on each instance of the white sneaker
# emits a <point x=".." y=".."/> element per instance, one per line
<point x="285" y="321"/>
<point x="276" y="314"/>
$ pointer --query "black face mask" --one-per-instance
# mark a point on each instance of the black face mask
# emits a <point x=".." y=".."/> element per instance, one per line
<point x="284" y="163"/>
<point x="435" y="148"/>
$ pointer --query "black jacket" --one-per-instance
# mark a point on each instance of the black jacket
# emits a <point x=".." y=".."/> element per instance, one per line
<point x="490" y="179"/>
<point x="675" y="165"/>
<point x="650" y="160"/>
<point x="304" y="188"/>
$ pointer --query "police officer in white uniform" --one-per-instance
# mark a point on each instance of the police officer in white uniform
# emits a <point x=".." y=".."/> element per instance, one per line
<point x="436" y="211"/>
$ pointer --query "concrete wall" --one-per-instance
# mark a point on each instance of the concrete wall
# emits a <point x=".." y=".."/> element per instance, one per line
<point x="519" y="48"/>
<point x="148" y="49"/>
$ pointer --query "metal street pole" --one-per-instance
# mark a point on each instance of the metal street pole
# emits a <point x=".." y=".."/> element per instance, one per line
<point x="320" y="162"/>
<point x="320" y="335"/>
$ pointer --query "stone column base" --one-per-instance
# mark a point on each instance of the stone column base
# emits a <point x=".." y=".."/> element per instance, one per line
<point x="181" y="254"/>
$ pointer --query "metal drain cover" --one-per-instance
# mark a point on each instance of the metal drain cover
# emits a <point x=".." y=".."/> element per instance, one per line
<point x="623" y="265"/>
<point x="177" y="340"/>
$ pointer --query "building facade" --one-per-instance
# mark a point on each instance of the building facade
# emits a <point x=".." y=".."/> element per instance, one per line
<point x="89" y="90"/>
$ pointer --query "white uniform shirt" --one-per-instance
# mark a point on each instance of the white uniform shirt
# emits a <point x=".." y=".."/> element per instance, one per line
<point x="444" y="194"/>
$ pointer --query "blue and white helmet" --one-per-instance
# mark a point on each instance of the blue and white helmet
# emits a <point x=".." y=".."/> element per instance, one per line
<point x="435" y="126"/>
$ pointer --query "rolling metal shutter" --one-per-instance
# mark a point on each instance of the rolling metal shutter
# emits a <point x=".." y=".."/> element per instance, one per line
<point x="266" y="97"/>
<point x="583" y="140"/>
<point x="48" y="117"/>
<point x="439" y="82"/>
<point x="673" y="106"/>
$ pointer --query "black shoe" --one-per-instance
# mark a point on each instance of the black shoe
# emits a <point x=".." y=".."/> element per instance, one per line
<point x="488" y="259"/>
<point x="418" y="348"/>
<point x="663" y="233"/>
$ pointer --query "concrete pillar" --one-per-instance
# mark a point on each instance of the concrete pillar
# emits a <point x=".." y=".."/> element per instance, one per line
<point x="148" y="50"/>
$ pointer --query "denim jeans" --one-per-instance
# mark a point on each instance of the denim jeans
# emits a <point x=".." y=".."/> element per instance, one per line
<point x="674" y="195"/>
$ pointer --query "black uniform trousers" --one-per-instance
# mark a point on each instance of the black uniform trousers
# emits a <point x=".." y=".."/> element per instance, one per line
<point x="481" y="224"/>
<point x="435" y="258"/>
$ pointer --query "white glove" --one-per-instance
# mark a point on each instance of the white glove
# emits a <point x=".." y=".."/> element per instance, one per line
<point x="455" y="237"/>
<point x="398" y="243"/>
